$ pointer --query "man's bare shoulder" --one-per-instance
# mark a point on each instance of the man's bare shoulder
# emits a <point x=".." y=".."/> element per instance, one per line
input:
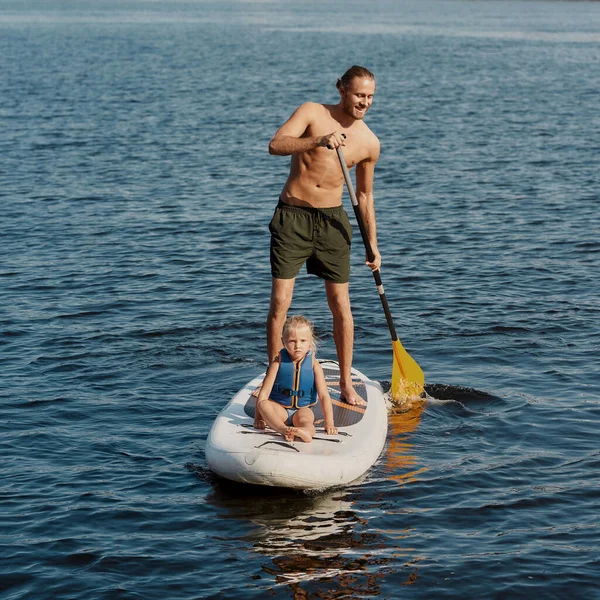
<point x="309" y="113"/>
<point x="369" y="141"/>
<point x="312" y="108"/>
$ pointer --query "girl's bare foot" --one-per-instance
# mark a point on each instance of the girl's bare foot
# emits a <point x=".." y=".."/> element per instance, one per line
<point x="293" y="432"/>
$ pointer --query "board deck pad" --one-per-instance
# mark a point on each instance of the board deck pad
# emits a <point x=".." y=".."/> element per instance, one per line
<point x="344" y="414"/>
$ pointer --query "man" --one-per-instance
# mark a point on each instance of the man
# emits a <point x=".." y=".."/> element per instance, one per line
<point x="310" y="224"/>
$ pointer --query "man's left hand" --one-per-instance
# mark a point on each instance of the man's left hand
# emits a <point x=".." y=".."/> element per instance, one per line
<point x="375" y="264"/>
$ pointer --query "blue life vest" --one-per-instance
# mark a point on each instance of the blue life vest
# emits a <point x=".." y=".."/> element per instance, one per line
<point x="294" y="386"/>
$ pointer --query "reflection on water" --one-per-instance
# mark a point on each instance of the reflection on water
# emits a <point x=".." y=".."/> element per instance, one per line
<point x="317" y="544"/>
<point x="302" y="527"/>
<point x="400" y="462"/>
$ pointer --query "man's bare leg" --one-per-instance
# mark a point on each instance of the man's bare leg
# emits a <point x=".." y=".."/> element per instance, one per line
<point x="338" y="298"/>
<point x="282" y="291"/>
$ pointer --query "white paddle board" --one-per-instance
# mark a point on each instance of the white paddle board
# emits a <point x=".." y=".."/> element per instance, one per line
<point x="237" y="451"/>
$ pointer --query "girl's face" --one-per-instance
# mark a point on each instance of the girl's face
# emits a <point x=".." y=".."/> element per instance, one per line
<point x="297" y="342"/>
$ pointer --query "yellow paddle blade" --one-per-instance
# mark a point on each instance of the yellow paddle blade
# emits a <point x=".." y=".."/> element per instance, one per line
<point x="407" y="376"/>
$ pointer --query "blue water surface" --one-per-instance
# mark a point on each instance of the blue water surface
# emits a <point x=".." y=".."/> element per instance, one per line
<point x="135" y="193"/>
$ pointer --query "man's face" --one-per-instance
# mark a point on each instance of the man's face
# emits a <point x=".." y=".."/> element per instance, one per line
<point x="358" y="97"/>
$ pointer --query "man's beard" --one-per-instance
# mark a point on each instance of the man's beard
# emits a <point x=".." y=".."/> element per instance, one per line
<point x="350" y="110"/>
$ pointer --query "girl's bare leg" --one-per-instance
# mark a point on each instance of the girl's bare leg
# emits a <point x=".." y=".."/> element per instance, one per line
<point x="304" y="427"/>
<point x="275" y="416"/>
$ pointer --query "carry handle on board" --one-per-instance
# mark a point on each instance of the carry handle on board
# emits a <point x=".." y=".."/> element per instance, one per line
<point x="407" y="377"/>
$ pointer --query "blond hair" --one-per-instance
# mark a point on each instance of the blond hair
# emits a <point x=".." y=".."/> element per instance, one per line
<point x="300" y="321"/>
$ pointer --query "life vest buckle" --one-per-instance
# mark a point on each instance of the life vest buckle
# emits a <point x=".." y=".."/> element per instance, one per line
<point x="288" y="392"/>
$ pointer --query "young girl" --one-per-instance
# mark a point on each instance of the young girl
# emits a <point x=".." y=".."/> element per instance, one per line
<point x="291" y="385"/>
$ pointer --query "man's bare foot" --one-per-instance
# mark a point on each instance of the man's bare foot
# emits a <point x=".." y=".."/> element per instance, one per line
<point x="348" y="394"/>
<point x="293" y="432"/>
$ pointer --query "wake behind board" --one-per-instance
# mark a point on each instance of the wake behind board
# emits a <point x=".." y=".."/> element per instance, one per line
<point x="237" y="451"/>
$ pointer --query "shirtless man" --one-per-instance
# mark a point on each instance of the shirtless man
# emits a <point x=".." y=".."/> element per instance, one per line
<point x="310" y="224"/>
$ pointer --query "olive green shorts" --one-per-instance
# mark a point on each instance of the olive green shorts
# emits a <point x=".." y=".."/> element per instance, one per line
<point x="319" y="237"/>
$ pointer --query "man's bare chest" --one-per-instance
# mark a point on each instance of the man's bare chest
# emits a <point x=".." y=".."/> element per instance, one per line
<point x="355" y="144"/>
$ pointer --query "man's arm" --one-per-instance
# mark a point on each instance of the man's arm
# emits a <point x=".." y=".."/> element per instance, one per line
<point x="288" y="138"/>
<point x="365" y="171"/>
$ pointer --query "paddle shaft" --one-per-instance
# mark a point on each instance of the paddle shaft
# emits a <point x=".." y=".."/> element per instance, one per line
<point x="367" y="243"/>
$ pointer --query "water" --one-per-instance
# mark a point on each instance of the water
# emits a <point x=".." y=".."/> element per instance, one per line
<point x="135" y="194"/>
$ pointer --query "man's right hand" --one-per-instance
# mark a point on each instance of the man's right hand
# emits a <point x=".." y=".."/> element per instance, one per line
<point x="333" y="140"/>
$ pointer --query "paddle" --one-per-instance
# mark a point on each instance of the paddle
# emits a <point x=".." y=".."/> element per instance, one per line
<point x="407" y="377"/>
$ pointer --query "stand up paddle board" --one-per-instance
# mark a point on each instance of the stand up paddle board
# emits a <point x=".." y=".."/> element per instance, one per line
<point x="237" y="451"/>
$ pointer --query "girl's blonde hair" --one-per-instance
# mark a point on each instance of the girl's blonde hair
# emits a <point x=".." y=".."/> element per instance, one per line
<point x="300" y="321"/>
